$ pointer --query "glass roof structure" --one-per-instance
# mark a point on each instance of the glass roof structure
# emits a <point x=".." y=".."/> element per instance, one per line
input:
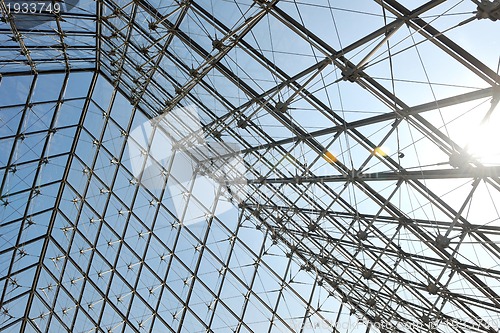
<point x="249" y="166"/>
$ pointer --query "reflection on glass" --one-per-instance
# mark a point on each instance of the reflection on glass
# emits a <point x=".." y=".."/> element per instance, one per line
<point x="206" y="177"/>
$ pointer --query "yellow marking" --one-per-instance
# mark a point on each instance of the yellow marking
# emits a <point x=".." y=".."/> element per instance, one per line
<point x="329" y="157"/>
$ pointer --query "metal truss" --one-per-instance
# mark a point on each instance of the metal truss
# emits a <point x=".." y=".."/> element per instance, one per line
<point x="368" y="199"/>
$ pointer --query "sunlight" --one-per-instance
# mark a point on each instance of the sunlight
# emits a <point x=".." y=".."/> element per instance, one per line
<point x="483" y="141"/>
<point x="381" y="151"/>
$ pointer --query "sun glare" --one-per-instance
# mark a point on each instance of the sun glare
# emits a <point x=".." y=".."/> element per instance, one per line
<point x="483" y="140"/>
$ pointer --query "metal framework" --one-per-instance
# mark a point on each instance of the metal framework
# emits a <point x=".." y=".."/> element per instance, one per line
<point x="367" y="129"/>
